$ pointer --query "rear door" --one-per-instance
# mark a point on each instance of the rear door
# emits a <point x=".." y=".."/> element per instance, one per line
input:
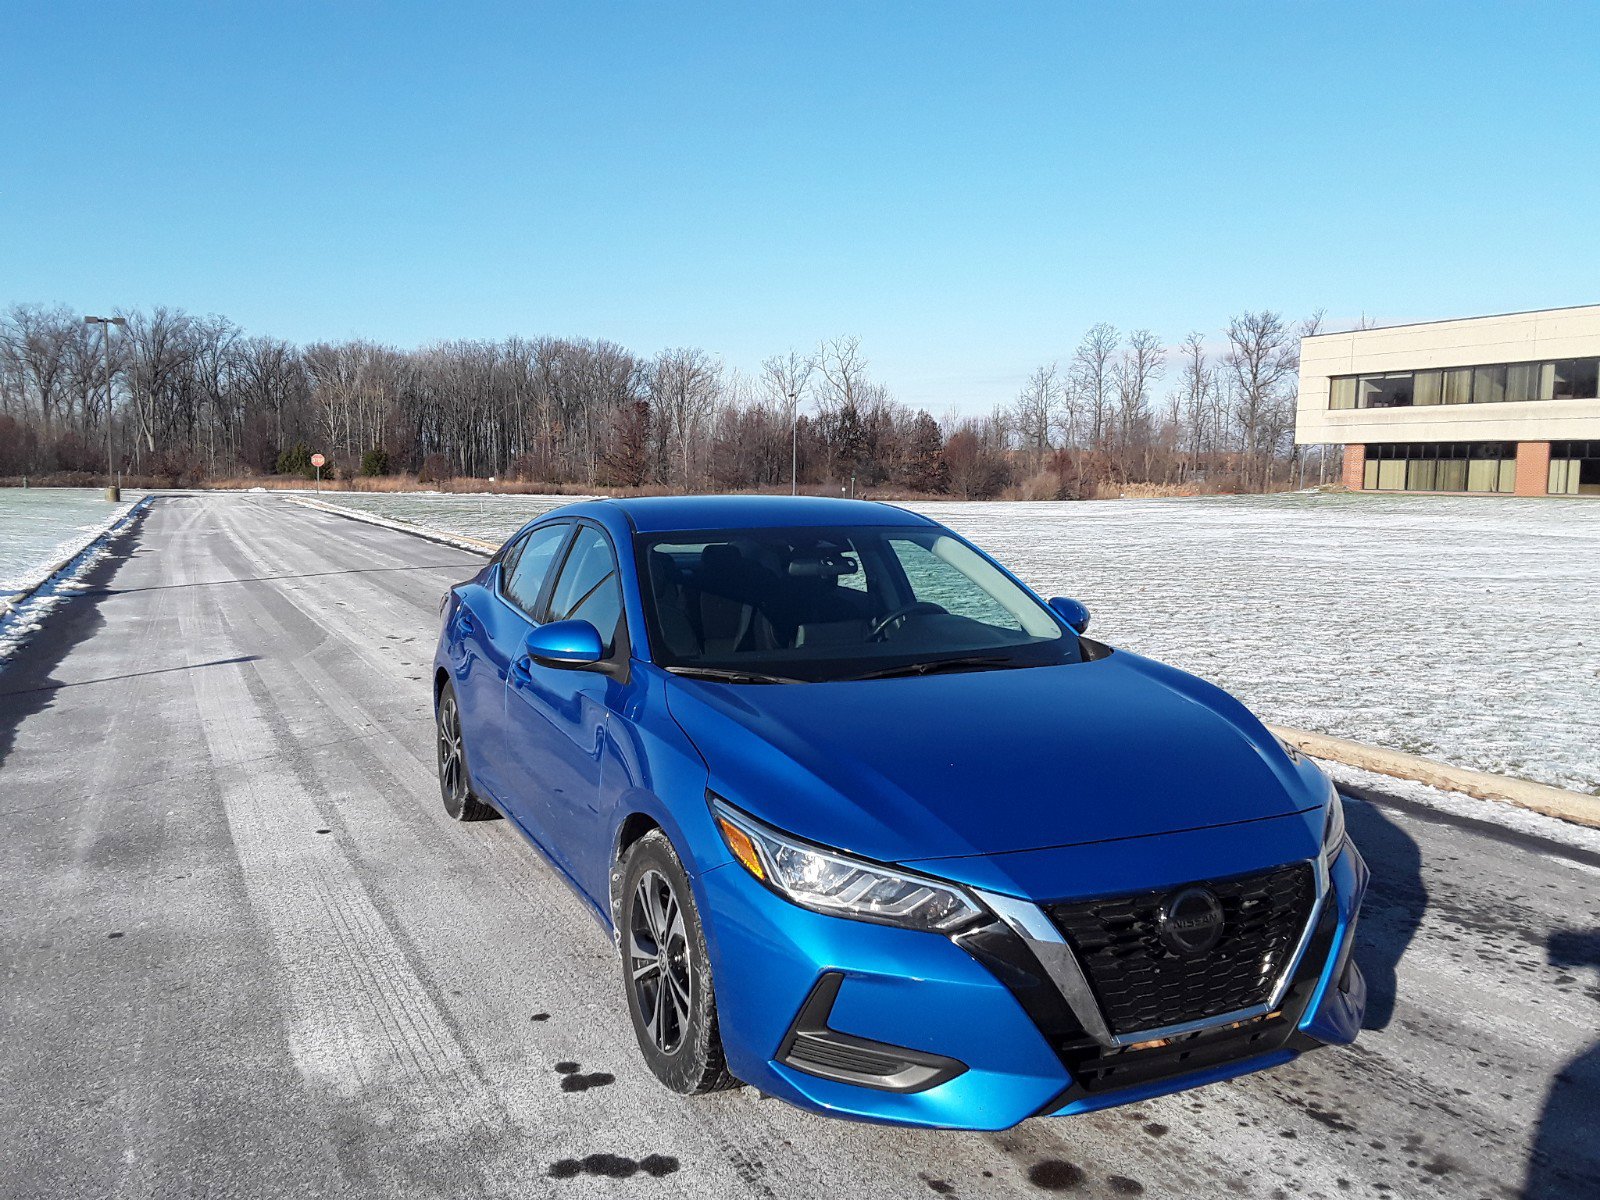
<point x="556" y="719"/>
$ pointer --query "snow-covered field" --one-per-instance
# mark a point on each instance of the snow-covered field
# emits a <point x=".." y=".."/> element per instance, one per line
<point x="40" y="530"/>
<point x="41" y="526"/>
<point x="1462" y="629"/>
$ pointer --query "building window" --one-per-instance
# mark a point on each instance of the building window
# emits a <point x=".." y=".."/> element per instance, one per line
<point x="1384" y="391"/>
<point x="1488" y="385"/>
<point x="1441" y="467"/>
<point x="1492" y="383"/>
<point x="1574" y="469"/>
<point x="1574" y="379"/>
<point x="1522" y="382"/>
<point x="1427" y="387"/>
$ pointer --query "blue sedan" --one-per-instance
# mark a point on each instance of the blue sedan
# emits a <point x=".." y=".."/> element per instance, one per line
<point x="877" y="830"/>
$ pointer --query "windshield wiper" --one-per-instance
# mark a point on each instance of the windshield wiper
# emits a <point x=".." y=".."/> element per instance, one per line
<point x="969" y="663"/>
<point x="722" y="675"/>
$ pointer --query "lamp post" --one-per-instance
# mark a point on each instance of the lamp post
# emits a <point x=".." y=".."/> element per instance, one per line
<point x="794" y="443"/>
<point x="113" y="492"/>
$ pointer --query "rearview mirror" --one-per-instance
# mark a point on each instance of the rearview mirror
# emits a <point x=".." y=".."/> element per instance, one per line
<point x="1072" y="612"/>
<point x="565" y="644"/>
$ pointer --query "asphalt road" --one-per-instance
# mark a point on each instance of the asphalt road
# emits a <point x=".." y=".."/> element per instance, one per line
<point x="245" y="953"/>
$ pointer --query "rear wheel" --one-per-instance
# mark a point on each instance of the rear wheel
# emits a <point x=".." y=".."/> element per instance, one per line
<point x="455" y="789"/>
<point x="666" y="971"/>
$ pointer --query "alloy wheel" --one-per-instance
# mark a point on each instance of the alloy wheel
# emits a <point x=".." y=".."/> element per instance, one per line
<point x="658" y="961"/>
<point x="452" y="765"/>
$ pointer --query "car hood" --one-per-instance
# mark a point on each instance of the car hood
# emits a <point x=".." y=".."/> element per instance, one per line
<point x="989" y="762"/>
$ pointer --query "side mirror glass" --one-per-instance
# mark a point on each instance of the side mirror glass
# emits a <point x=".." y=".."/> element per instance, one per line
<point x="1072" y="612"/>
<point x="565" y="644"/>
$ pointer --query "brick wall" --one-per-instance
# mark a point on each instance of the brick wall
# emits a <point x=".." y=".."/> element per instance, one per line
<point x="1533" y="468"/>
<point x="1355" y="466"/>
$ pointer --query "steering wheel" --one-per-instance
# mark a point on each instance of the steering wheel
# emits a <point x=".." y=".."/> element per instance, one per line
<point x="880" y="628"/>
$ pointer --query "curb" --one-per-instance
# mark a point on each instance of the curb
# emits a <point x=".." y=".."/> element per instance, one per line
<point x="455" y="541"/>
<point x="10" y="604"/>
<point x="1524" y="793"/>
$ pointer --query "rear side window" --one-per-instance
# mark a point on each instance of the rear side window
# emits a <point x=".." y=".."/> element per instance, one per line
<point x="588" y="588"/>
<point x="527" y="566"/>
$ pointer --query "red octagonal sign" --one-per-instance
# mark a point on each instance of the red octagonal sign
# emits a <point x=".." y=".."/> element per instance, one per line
<point x="318" y="461"/>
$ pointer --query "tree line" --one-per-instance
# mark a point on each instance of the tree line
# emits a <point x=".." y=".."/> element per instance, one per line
<point x="190" y="399"/>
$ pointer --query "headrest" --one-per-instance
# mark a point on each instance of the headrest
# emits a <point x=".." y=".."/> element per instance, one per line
<point x="720" y="556"/>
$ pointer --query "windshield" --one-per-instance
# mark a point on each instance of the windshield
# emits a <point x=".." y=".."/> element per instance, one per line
<point x="824" y="604"/>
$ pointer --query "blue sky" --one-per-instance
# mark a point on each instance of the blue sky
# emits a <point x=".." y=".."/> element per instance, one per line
<point x="964" y="186"/>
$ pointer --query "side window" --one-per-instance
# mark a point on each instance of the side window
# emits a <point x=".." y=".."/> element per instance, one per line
<point x="533" y="561"/>
<point x="588" y="588"/>
<point x="509" y="555"/>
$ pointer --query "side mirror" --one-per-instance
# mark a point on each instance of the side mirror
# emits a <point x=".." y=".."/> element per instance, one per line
<point x="565" y="644"/>
<point x="1072" y="612"/>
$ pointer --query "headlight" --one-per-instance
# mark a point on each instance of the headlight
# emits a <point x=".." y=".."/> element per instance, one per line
<point x="826" y="881"/>
<point x="1333" y="829"/>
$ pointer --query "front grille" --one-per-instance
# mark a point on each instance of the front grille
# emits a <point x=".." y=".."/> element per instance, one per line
<point x="1143" y="984"/>
<point x="1098" y="1069"/>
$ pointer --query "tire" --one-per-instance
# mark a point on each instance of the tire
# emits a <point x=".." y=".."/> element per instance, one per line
<point x="455" y="786"/>
<point x="660" y="976"/>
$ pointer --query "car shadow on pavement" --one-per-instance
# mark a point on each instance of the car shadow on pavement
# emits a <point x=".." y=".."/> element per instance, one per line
<point x="1396" y="900"/>
<point x="27" y="683"/>
<point x="1566" y="1151"/>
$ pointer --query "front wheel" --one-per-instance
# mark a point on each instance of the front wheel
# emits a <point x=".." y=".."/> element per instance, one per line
<point x="666" y="971"/>
<point x="455" y="788"/>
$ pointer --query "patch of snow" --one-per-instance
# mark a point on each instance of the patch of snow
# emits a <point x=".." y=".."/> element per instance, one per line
<point x="21" y="618"/>
<point x="1496" y="812"/>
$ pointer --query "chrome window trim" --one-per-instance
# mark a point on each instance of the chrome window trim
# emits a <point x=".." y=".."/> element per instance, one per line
<point x="1029" y="922"/>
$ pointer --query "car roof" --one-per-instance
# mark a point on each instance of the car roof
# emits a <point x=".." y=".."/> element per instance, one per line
<point x="664" y="514"/>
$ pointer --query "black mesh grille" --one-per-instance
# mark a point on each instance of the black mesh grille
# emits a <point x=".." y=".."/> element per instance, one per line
<point x="1143" y="984"/>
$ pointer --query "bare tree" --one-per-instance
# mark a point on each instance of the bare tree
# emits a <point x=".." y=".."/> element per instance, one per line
<point x="1091" y="372"/>
<point x="1140" y="364"/>
<point x="784" y="381"/>
<point x="684" y="386"/>
<point x="1037" y="413"/>
<point x="1263" y="359"/>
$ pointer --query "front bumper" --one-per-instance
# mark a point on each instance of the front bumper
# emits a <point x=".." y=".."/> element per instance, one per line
<point x="973" y="1032"/>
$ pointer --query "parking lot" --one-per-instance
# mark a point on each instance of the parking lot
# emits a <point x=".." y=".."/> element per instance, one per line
<point x="246" y="952"/>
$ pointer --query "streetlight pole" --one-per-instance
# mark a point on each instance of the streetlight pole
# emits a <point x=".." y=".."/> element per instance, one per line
<point x="794" y="443"/>
<point x="113" y="492"/>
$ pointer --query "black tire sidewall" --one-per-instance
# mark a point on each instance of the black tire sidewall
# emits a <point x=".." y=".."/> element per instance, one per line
<point x="698" y="1059"/>
<point x="456" y="811"/>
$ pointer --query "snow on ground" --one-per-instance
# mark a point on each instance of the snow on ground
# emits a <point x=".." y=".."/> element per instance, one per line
<point x="39" y="527"/>
<point x="1498" y="812"/>
<point x="80" y="553"/>
<point x="1462" y="629"/>
<point x="482" y="516"/>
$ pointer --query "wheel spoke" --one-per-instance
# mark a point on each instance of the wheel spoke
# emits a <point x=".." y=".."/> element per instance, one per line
<point x="657" y="1022"/>
<point x="680" y="995"/>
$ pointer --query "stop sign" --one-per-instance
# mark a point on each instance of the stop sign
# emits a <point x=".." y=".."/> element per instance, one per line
<point x="318" y="461"/>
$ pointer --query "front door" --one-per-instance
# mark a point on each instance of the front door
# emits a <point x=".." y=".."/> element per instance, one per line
<point x="494" y="629"/>
<point x="556" y="718"/>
